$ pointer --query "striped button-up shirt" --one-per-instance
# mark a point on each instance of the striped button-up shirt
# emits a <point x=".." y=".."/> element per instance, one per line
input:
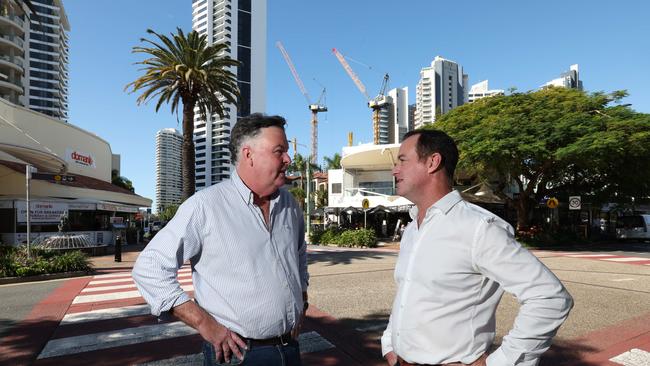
<point x="250" y="277"/>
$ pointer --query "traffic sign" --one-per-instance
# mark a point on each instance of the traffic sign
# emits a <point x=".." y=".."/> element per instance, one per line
<point x="365" y="204"/>
<point x="56" y="178"/>
<point x="575" y="203"/>
<point x="552" y="202"/>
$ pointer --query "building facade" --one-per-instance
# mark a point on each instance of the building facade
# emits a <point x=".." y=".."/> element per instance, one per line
<point x="47" y="75"/>
<point x="442" y="87"/>
<point x="240" y="24"/>
<point x="394" y="122"/>
<point x="569" y="79"/>
<point x="14" y="33"/>
<point x="482" y="90"/>
<point x="169" y="182"/>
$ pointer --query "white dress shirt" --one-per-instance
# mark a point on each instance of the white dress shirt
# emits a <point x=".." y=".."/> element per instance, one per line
<point x="250" y="278"/>
<point x="450" y="275"/>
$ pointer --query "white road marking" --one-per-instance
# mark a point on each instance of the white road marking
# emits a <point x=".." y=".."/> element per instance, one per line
<point x="633" y="357"/>
<point x="103" y="314"/>
<point x="622" y="279"/>
<point x="118" y="287"/>
<point x="183" y="274"/>
<point x="589" y="255"/>
<point x="627" y="259"/>
<point x="116" y="338"/>
<point x="82" y="299"/>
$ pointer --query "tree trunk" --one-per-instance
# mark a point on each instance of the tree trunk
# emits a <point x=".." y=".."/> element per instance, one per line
<point x="523" y="208"/>
<point x="187" y="159"/>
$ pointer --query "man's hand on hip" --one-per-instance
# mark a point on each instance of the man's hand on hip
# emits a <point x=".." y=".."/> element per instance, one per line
<point x="391" y="358"/>
<point x="225" y="341"/>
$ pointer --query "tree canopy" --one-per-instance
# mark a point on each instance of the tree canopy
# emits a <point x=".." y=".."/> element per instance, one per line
<point x="184" y="68"/>
<point x="554" y="141"/>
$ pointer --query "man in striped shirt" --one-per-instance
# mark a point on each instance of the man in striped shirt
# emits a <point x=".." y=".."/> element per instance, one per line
<point x="244" y="238"/>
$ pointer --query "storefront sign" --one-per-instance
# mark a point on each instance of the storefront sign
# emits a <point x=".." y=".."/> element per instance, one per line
<point x="41" y="212"/>
<point x="116" y="208"/>
<point x="82" y="206"/>
<point x="79" y="158"/>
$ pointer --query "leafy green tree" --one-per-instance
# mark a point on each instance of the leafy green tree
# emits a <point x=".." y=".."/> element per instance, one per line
<point x="299" y="166"/>
<point x="299" y="194"/>
<point x="185" y="69"/>
<point x="168" y="213"/>
<point x="121" y="181"/>
<point x="554" y="141"/>
<point x="334" y="162"/>
<point x="321" y="198"/>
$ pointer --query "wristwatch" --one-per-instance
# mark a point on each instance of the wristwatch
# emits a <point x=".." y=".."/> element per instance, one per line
<point x="305" y="307"/>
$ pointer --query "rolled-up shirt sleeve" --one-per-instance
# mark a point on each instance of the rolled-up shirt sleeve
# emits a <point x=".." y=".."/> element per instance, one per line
<point x="544" y="302"/>
<point x="156" y="270"/>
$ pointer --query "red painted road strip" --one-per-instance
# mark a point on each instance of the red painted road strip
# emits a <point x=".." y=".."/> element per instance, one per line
<point x="23" y="344"/>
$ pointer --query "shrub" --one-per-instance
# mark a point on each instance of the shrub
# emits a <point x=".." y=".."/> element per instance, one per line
<point x="15" y="261"/>
<point x="348" y="238"/>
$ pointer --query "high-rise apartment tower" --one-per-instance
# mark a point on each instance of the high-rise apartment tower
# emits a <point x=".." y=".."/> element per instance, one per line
<point x="442" y="87"/>
<point x="169" y="182"/>
<point x="47" y="75"/>
<point x="240" y="24"/>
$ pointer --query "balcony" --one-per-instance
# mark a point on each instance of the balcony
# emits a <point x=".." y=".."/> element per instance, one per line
<point x="13" y="20"/>
<point x="12" y="40"/>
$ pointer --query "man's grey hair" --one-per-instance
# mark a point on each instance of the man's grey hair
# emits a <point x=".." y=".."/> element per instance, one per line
<point x="248" y="128"/>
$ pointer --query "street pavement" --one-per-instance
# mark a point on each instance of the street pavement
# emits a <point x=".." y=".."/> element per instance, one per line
<point x="101" y="319"/>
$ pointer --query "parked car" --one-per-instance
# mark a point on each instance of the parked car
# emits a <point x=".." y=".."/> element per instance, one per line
<point x="633" y="227"/>
<point x="156" y="226"/>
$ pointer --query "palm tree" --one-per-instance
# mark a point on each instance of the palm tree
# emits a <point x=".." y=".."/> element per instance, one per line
<point x="186" y="69"/>
<point x="299" y="165"/>
<point x="334" y="162"/>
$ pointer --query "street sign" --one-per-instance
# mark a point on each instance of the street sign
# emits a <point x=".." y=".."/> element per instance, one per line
<point x="552" y="202"/>
<point x="365" y="204"/>
<point x="575" y="203"/>
<point x="56" y="178"/>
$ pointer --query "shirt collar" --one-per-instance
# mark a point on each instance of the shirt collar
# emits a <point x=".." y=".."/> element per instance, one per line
<point x="246" y="193"/>
<point x="444" y="205"/>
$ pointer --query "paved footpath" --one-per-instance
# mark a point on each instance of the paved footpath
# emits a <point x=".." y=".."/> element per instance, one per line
<point x="103" y="320"/>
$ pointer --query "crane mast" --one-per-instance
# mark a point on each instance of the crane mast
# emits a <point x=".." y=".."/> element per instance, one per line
<point x="376" y="104"/>
<point x="315" y="108"/>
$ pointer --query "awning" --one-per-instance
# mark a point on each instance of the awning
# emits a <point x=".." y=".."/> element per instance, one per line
<point x="370" y="157"/>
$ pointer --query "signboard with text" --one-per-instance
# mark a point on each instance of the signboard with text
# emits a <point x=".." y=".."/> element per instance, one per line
<point x="79" y="158"/>
<point x="41" y="212"/>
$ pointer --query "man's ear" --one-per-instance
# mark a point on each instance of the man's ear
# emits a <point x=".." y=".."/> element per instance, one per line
<point x="434" y="163"/>
<point x="247" y="154"/>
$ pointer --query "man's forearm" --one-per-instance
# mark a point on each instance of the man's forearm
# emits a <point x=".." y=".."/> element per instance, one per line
<point x="192" y="314"/>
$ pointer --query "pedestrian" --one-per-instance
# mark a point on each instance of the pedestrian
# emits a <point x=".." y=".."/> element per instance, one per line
<point x="455" y="261"/>
<point x="244" y="239"/>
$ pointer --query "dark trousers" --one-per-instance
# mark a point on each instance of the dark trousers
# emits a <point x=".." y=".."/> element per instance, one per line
<point x="279" y="355"/>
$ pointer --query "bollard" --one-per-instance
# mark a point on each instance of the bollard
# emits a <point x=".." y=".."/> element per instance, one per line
<point x="118" y="249"/>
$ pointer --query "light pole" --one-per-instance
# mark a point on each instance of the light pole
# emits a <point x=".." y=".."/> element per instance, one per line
<point x="28" y="176"/>
<point x="308" y="198"/>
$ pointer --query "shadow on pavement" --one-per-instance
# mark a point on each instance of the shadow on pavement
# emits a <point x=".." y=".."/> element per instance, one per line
<point x="568" y="353"/>
<point x="346" y="257"/>
<point x="22" y="343"/>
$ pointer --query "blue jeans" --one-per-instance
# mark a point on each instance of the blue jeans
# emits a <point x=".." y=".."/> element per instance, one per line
<point x="288" y="355"/>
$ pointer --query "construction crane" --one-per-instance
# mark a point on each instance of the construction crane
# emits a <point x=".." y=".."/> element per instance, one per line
<point x="315" y="108"/>
<point x="377" y="103"/>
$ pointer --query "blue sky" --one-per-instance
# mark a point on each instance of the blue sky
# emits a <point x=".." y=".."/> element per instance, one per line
<point x="507" y="42"/>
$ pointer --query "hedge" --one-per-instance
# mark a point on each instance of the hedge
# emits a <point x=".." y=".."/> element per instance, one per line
<point x="14" y="261"/>
<point x="344" y="238"/>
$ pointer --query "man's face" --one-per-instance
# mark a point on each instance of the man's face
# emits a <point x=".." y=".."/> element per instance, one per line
<point x="268" y="153"/>
<point x="410" y="173"/>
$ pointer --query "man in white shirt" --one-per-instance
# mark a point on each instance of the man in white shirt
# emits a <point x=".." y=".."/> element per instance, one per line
<point x="456" y="259"/>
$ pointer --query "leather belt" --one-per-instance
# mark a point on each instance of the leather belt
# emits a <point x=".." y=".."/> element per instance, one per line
<point x="282" y="340"/>
<point x="404" y="363"/>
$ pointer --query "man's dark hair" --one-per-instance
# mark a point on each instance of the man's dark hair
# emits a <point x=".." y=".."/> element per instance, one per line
<point x="250" y="127"/>
<point x="435" y="141"/>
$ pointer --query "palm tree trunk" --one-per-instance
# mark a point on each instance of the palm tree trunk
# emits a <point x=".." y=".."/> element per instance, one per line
<point x="187" y="157"/>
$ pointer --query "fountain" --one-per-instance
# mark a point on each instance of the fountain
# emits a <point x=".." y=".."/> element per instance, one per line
<point x="62" y="240"/>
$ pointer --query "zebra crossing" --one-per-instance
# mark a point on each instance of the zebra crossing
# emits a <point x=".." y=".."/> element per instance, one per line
<point x="109" y="323"/>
